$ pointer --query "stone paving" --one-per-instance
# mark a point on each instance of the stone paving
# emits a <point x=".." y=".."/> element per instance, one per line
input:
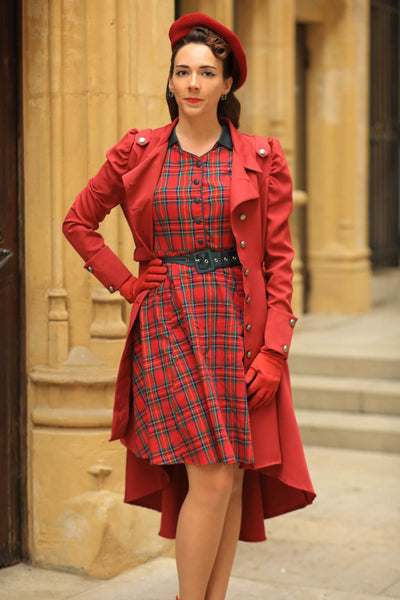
<point x="346" y="546"/>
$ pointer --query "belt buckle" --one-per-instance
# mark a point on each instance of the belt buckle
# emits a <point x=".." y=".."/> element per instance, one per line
<point x="203" y="261"/>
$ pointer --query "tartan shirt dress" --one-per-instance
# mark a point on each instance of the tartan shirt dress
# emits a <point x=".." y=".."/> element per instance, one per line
<point x="180" y="392"/>
<point x="189" y="391"/>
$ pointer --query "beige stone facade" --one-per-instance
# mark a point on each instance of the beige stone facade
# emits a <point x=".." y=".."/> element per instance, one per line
<point x="91" y="70"/>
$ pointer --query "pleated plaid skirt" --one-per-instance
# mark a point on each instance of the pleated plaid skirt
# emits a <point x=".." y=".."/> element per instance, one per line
<point x="189" y="401"/>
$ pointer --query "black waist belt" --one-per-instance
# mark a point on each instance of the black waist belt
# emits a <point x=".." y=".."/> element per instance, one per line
<point x="206" y="260"/>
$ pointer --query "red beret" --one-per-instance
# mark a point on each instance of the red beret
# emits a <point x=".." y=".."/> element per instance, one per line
<point x="182" y="26"/>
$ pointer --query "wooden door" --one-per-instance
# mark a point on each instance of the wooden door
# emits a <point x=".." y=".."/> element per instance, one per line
<point x="384" y="159"/>
<point x="12" y="403"/>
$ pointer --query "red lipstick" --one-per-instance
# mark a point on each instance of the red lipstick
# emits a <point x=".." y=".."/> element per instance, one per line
<point x="193" y="100"/>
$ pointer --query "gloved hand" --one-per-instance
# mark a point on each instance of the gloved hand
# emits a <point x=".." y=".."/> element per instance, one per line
<point x="155" y="274"/>
<point x="263" y="378"/>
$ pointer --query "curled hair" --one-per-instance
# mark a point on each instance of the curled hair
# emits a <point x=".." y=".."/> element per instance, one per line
<point x="229" y="108"/>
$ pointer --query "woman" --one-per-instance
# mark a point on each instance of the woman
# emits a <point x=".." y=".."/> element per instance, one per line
<point x="203" y="399"/>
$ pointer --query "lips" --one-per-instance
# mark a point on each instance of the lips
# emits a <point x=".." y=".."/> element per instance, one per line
<point x="193" y="100"/>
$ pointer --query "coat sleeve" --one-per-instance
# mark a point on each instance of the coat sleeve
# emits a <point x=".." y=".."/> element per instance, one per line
<point x="278" y="254"/>
<point x="104" y="191"/>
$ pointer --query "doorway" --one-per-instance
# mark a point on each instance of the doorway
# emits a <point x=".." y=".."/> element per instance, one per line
<point x="12" y="372"/>
<point x="384" y="159"/>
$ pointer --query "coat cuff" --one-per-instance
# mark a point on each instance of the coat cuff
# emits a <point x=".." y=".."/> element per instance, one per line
<point x="279" y="331"/>
<point x="108" y="269"/>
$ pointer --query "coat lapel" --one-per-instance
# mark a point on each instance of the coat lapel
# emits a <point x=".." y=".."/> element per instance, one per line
<point x="140" y="184"/>
<point x="244" y="186"/>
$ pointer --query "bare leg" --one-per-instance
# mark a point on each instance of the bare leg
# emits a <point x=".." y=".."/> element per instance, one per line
<point x="200" y="525"/>
<point x="221" y="571"/>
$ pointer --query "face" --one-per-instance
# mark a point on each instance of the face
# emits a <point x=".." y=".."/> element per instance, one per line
<point x="197" y="81"/>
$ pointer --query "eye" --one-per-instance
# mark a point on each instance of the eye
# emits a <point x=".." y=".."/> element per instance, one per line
<point x="181" y="72"/>
<point x="208" y="73"/>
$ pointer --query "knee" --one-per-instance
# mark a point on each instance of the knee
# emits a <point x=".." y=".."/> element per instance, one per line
<point x="214" y="486"/>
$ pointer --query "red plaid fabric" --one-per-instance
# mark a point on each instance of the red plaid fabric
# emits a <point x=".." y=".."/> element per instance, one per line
<point x="189" y="393"/>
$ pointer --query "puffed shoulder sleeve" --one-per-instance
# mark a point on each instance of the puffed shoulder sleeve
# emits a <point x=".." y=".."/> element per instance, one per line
<point x="119" y="156"/>
<point x="279" y="253"/>
<point x="103" y="191"/>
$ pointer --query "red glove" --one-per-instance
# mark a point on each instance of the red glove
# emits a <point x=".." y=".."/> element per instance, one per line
<point x="263" y="378"/>
<point x="155" y="274"/>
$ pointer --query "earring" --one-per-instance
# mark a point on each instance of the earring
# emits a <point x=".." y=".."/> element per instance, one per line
<point x="224" y="97"/>
<point x="170" y="94"/>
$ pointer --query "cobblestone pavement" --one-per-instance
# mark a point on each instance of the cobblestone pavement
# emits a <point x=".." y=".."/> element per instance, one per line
<point x="346" y="546"/>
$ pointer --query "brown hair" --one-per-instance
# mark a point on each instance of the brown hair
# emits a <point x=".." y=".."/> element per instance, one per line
<point x="229" y="108"/>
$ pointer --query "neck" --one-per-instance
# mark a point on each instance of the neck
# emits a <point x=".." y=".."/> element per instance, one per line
<point x="198" y="129"/>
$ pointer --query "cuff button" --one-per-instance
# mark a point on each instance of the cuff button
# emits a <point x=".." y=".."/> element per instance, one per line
<point x="111" y="289"/>
<point x="292" y="322"/>
<point x="90" y="269"/>
<point x="249" y="353"/>
<point x="285" y="349"/>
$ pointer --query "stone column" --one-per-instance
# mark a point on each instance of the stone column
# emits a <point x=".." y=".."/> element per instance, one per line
<point x="221" y="10"/>
<point x="91" y="70"/>
<point x="337" y="118"/>
<point x="267" y="31"/>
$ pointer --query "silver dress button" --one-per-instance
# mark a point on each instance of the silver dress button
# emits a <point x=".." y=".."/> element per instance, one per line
<point x="142" y="140"/>
<point x="90" y="269"/>
<point x="285" y="349"/>
<point x="248" y="299"/>
<point x="242" y="217"/>
<point x="247" y="271"/>
<point x="243" y="244"/>
<point x="292" y="322"/>
<point x="249" y="353"/>
<point x="248" y="326"/>
<point x="262" y="151"/>
<point x="111" y="289"/>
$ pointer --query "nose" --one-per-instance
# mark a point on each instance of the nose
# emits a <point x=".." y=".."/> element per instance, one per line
<point x="193" y="82"/>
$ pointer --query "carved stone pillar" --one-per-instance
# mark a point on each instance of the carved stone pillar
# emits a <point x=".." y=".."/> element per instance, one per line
<point x="221" y="10"/>
<point x="337" y="116"/>
<point x="267" y="31"/>
<point x="91" y="70"/>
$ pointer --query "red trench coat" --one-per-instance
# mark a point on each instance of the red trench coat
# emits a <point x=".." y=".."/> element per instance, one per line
<point x="261" y="202"/>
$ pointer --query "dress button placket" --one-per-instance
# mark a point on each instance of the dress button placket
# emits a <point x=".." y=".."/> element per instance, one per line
<point x="197" y="210"/>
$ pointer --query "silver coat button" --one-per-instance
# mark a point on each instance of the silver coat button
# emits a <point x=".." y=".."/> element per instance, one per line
<point x="248" y="326"/>
<point x="242" y="217"/>
<point x="249" y="353"/>
<point x="248" y="299"/>
<point x="243" y="244"/>
<point x="111" y="289"/>
<point x="262" y="151"/>
<point x="247" y="271"/>
<point x="90" y="269"/>
<point x="292" y="322"/>
<point x="285" y="349"/>
<point x="142" y="140"/>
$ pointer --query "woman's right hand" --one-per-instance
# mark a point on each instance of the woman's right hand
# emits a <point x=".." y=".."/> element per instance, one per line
<point x="155" y="274"/>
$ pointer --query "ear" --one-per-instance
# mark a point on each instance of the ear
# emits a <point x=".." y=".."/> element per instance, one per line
<point x="228" y="84"/>
<point x="170" y="84"/>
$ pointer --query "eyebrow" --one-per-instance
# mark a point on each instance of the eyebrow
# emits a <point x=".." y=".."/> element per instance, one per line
<point x="202" y="66"/>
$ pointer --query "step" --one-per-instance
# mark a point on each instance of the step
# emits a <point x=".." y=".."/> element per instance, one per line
<point x="337" y="429"/>
<point x="348" y="394"/>
<point x="345" y="365"/>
